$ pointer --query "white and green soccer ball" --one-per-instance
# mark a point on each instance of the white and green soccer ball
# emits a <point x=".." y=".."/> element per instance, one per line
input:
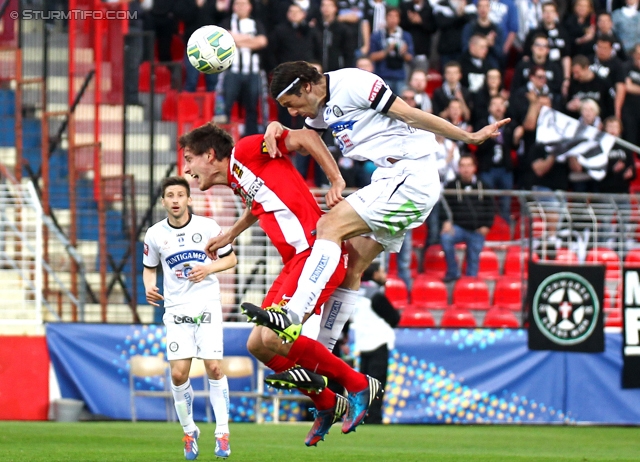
<point x="211" y="49"/>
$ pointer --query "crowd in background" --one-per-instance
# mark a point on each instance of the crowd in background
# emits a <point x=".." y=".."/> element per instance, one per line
<point x="496" y="59"/>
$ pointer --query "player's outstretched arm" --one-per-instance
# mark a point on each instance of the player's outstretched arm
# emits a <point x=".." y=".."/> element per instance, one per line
<point x="150" y="289"/>
<point x="425" y="121"/>
<point x="245" y="221"/>
<point x="308" y="142"/>
<point x="200" y="272"/>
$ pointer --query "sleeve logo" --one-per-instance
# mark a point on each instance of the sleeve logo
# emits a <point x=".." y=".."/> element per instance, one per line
<point x="377" y="86"/>
<point x="146" y="249"/>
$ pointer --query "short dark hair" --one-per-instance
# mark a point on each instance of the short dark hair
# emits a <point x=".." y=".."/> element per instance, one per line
<point x="175" y="181"/>
<point x="467" y="155"/>
<point x="580" y="60"/>
<point x="367" y="275"/>
<point x="610" y="39"/>
<point x="453" y="64"/>
<point x="286" y="73"/>
<point x="205" y="137"/>
<point x="613" y="119"/>
<point x="550" y="3"/>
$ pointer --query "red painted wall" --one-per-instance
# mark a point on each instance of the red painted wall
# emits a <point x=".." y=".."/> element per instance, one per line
<point x="24" y="378"/>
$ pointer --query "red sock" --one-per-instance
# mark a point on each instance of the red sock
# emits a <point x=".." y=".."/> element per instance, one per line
<point x="314" y="356"/>
<point x="324" y="400"/>
<point x="279" y="363"/>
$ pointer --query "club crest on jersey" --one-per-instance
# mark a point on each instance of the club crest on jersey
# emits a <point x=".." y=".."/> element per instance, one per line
<point x="337" y="111"/>
<point x="197" y="237"/>
<point x="377" y="86"/>
<point x="185" y="257"/>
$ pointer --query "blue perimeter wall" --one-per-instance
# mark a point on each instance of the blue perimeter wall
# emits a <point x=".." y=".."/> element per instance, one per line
<point x="435" y="376"/>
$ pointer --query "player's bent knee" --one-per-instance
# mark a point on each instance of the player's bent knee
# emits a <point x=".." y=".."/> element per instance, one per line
<point x="179" y="377"/>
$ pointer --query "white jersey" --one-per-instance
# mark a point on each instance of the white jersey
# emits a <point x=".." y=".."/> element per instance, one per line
<point x="356" y="112"/>
<point x="179" y="250"/>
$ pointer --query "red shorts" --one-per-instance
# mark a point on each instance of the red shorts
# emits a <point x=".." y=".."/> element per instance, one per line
<point x="287" y="282"/>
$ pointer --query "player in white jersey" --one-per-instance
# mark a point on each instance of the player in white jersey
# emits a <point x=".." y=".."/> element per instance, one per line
<point x="369" y="123"/>
<point x="193" y="311"/>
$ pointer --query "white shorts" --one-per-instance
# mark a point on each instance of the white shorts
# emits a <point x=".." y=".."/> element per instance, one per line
<point x="194" y="332"/>
<point x="398" y="199"/>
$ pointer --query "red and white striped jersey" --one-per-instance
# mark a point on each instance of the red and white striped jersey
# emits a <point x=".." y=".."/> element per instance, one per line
<point x="276" y="194"/>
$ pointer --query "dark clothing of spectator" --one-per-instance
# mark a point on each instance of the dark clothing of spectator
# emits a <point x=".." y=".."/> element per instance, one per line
<point x="420" y="33"/>
<point x="469" y="211"/>
<point x="596" y="89"/>
<point x="553" y="69"/>
<point x="162" y="21"/>
<point x="614" y="181"/>
<point x="279" y="12"/>
<point x="557" y="178"/>
<point x="290" y="42"/>
<point x="630" y="108"/>
<point x="474" y="71"/>
<point x="481" y="100"/>
<point x="618" y="48"/>
<point x="442" y="96"/>
<point x="345" y="6"/>
<point x="495" y="57"/>
<point x="336" y="46"/>
<point x="575" y="30"/>
<point x="134" y="53"/>
<point x="611" y="70"/>
<point x="450" y="25"/>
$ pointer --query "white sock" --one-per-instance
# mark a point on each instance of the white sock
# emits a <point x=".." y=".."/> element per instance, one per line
<point x="183" y="401"/>
<point x="219" y="397"/>
<point x="317" y="271"/>
<point x="335" y="313"/>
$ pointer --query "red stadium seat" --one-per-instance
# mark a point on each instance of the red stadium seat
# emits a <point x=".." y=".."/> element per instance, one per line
<point x="429" y="292"/>
<point x="489" y="267"/>
<point x="434" y="263"/>
<point x="457" y="317"/>
<point x="419" y="236"/>
<point x="471" y="294"/>
<point x="500" y="318"/>
<point x="508" y="293"/>
<point x="162" y="82"/>
<point x="513" y="265"/>
<point x="566" y="256"/>
<point x="609" y="258"/>
<point x="416" y="316"/>
<point x="500" y="230"/>
<point x="396" y="291"/>
<point x="632" y="258"/>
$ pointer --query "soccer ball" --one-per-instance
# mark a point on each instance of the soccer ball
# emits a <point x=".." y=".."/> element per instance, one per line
<point x="211" y="49"/>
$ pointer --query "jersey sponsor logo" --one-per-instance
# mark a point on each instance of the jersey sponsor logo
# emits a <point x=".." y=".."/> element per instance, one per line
<point x="342" y="126"/>
<point x="566" y="308"/>
<point x="333" y="314"/>
<point x="264" y="148"/>
<point x="204" y="318"/>
<point x="377" y="86"/>
<point x="322" y="264"/>
<point x="237" y="171"/>
<point x="197" y="237"/>
<point x="252" y="190"/>
<point x="173" y="346"/>
<point x="345" y="142"/>
<point x="146" y="249"/>
<point x="337" y="111"/>
<point x="184" y="257"/>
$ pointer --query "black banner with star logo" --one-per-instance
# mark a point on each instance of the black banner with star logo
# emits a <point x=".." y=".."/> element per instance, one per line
<point x="566" y="307"/>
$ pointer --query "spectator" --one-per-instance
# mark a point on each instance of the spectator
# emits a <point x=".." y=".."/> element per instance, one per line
<point x="195" y="14"/>
<point x="621" y="172"/>
<point x="492" y="87"/>
<point x="607" y="66"/>
<point x="418" y="83"/>
<point x="529" y="18"/>
<point x="452" y="88"/>
<point x="455" y="115"/>
<point x="469" y="221"/>
<point x="604" y="26"/>
<point x="351" y="13"/>
<point x="581" y="28"/>
<point x="474" y="64"/>
<point x="494" y="156"/>
<point x="539" y="57"/>
<point x="590" y="114"/>
<point x="451" y="17"/>
<point x="524" y="107"/>
<point x="242" y="81"/>
<point x="373" y="321"/>
<point x="557" y="38"/>
<point x="161" y="20"/>
<point x="579" y="179"/>
<point x="134" y="53"/>
<point x="492" y="32"/>
<point x="311" y="10"/>
<point x="375" y="12"/>
<point x="630" y="112"/>
<point x="416" y="17"/>
<point x="336" y="51"/>
<point x="586" y="84"/>
<point x="505" y="14"/>
<point x="391" y="49"/>
<point x="293" y="40"/>
<point x="626" y="23"/>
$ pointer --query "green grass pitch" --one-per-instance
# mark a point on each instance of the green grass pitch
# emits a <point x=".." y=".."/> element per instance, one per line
<point x="145" y="441"/>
